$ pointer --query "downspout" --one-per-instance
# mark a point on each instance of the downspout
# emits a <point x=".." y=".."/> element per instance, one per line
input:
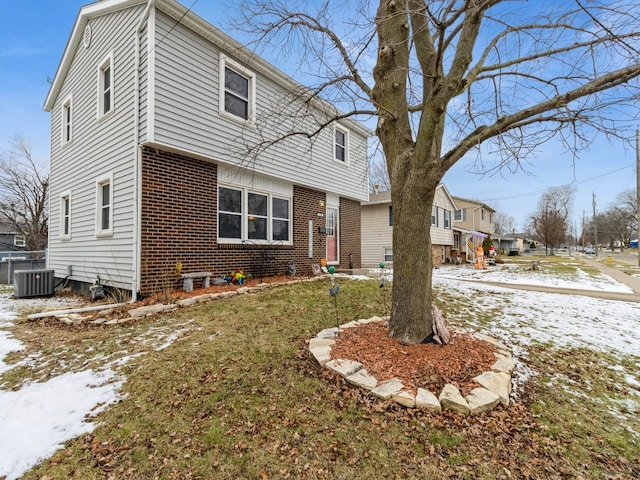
<point x="137" y="184"/>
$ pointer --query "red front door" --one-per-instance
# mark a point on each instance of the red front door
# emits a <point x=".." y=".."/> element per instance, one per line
<point x="332" y="235"/>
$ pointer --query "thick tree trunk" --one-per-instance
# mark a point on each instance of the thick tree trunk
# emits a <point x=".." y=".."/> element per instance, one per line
<point x="411" y="315"/>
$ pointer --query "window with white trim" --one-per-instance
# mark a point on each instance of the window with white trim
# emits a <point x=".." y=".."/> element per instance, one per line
<point x="65" y="216"/>
<point x="255" y="216"/>
<point x="104" y="206"/>
<point x="237" y="90"/>
<point x="461" y="215"/>
<point x="447" y="219"/>
<point x="19" y="241"/>
<point x="67" y="115"/>
<point x="434" y="216"/>
<point x="105" y="87"/>
<point x="388" y="255"/>
<point x="340" y="144"/>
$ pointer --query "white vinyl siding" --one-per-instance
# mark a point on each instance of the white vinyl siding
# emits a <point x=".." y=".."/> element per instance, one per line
<point x="377" y="234"/>
<point x="97" y="146"/>
<point x="193" y="118"/>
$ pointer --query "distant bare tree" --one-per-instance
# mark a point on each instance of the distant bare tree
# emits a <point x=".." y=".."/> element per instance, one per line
<point x="503" y="223"/>
<point x="451" y="79"/>
<point x="24" y="193"/>
<point x="550" y="223"/>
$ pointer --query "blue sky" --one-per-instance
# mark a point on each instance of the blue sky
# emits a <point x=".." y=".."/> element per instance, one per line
<point x="33" y="35"/>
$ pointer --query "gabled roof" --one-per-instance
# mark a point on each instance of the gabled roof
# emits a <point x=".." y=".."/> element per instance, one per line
<point x="475" y="202"/>
<point x="378" y="198"/>
<point x="385" y="197"/>
<point x="195" y="23"/>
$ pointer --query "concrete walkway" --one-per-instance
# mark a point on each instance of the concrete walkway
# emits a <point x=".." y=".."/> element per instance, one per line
<point x="615" y="271"/>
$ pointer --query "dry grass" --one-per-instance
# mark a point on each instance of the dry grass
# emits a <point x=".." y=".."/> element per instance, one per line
<point x="237" y="397"/>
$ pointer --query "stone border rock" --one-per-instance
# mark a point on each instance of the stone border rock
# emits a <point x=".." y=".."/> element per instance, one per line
<point x="495" y="385"/>
<point x="75" y="317"/>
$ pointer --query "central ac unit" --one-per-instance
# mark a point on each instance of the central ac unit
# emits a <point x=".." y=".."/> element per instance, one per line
<point x="33" y="283"/>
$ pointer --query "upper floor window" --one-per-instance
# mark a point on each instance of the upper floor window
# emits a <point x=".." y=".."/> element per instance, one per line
<point x="340" y="142"/>
<point x="19" y="241"/>
<point x="482" y="214"/>
<point x="447" y="219"/>
<point x="461" y="215"/>
<point x="65" y="216"/>
<point x="434" y="216"/>
<point x="105" y="87"/>
<point x="237" y="89"/>
<point x="67" y="130"/>
<point x="391" y="215"/>
<point x="104" y="206"/>
<point x="245" y="215"/>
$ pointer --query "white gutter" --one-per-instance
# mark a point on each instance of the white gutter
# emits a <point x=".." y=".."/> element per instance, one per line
<point x="137" y="182"/>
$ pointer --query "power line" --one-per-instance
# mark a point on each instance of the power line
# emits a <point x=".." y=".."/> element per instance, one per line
<point x="539" y="192"/>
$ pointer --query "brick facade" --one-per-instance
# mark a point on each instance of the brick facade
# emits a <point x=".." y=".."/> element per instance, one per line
<point x="178" y="224"/>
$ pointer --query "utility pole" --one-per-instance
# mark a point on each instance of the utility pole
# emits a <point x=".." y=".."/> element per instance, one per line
<point x="638" y="188"/>
<point x="595" y="223"/>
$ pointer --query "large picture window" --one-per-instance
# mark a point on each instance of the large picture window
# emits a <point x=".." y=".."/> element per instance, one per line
<point x="245" y="215"/>
<point x="237" y="91"/>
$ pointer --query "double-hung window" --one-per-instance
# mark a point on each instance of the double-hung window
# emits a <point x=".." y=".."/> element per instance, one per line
<point x="67" y="130"/>
<point x="237" y="91"/>
<point x="104" y="206"/>
<point x="65" y="216"/>
<point x="461" y="215"/>
<point x="447" y="219"/>
<point x="340" y="144"/>
<point x="105" y="86"/>
<point x="19" y="241"/>
<point x="255" y="216"/>
<point x="434" y="216"/>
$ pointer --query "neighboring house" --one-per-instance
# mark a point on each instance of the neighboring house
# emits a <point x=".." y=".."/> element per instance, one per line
<point x="10" y="239"/>
<point x="151" y="110"/>
<point x="377" y="228"/>
<point x="513" y="244"/>
<point x="473" y="221"/>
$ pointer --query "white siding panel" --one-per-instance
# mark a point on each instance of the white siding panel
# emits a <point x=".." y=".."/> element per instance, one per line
<point x="376" y="233"/>
<point x="245" y="178"/>
<point x="187" y="117"/>
<point x="99" y="146"/>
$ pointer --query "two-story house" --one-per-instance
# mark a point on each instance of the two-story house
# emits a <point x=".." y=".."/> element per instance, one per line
<point x="377" y="228"/>
<point x="473" y="222"/>
<point x="167" y="155"/>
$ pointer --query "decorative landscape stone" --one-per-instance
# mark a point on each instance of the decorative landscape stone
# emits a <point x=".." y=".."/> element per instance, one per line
<point x="495" y="386"/>
<point x="451" y="399"/>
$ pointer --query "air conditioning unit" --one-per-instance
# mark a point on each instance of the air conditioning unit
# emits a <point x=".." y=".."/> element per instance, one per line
<point x="33" y="283"/>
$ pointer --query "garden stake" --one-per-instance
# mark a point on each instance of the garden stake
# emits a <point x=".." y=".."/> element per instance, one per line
<point x="334" y="291"/>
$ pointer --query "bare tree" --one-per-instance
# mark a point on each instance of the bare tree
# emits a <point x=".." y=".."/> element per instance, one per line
<point x="447" y="79"/>
<point x="503" y="223"/>
<point x="550" y="223"/>
<point x="24" y="191"/>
